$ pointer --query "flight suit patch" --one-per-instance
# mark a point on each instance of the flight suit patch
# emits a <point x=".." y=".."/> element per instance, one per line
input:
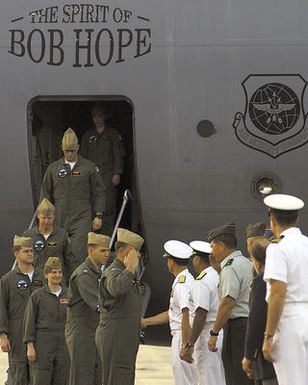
<point x="76" y="173"/>
<point x="37" y="282"/>
<point x="63" y="301"/>
<point x="39" y="245"/>
<point x="92" y="139"/>
<point x="201" y="275"/>
<point x="182" y="279"/>
<point x="52" y="244"/>
<point x="62" y="173"/>
<point x="22" y="285"/>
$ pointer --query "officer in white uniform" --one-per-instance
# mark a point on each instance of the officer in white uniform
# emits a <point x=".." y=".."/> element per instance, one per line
<point x="205" y="296"/>
<point x="180" y="309"/>
<point x="286" y="272"/>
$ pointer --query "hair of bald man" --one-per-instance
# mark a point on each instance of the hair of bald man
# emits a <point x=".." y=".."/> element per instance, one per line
<point x="258" y="251"/>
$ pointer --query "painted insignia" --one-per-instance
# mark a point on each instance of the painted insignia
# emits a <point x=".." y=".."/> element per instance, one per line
<point x="201" y="275"/>
<point x="39" y="245"/>
<point x="52" y="244"/>
<point x="22" y="285"/>
<point x="62" y="173"/>
<point x="274" y="121"/>
<point x="182" y="279"/>
<point x="76" y="173"/>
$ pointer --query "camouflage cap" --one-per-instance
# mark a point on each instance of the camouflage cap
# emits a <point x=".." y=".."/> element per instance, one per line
<point x="69" y="140"/>
<point x="22" y="241"/>
<point x="255" y="230"/>
<point x="130" y="238"/>
<point x="225" y="229"/>
<point x="45" y="207"/>
<point x="99" y="240"/>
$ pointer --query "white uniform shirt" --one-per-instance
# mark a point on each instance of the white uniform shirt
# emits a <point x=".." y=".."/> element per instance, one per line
<point x="181" y="298"/>
<point x="287" y="261"/>
<point x="205" y="293"/>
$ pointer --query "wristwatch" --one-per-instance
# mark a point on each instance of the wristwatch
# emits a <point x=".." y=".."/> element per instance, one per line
<point x="214" y="334"/>
<point x="188" y="345"/>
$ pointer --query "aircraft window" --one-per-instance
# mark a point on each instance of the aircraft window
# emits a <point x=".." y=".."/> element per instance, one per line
<point x="265" y="184"/>
<point x="49" y="117"/>
<point x="205" y="128"/>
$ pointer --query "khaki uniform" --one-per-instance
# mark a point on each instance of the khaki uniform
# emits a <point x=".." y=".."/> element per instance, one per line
<point x="118" y="334"/>
<point x="106" y="151"/>
<point x="82" y="321"/>
<point x="44" y="322"/>
<point x="15" y="292"/>
<point x="56" y="245"/>
<point x="77" y="195"/>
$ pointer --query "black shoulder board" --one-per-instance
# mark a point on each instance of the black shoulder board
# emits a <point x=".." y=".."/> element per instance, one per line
<point x="229" y="263"/>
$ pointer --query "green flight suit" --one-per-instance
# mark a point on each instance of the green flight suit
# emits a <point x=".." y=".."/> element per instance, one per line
<point x="118" y="334"/>
<point x="15" y="291"/>
<point x="77" y="194"/>
<point x="82" y="321"/>
<point x="56" y="245"/>
<point x="106" y="151"/>
<point x="44" y="322"/>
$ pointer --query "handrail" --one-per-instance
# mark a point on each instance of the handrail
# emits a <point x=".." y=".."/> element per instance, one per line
<point x="126" y="196"/>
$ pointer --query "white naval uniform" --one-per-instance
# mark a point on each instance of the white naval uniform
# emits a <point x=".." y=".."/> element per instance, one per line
<point x="209" y="365"/>
<point x="287" y="261"/>
<point x="181" y="298"/>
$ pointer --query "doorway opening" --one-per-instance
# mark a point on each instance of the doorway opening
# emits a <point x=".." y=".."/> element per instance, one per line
<point x="49" y="117"/>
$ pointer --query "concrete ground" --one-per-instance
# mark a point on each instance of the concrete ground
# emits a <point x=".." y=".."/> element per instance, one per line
<point x="153" y="366"/>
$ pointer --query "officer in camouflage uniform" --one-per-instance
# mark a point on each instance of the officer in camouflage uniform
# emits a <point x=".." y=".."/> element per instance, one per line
<point x="74" y="186"/>
<point x="16" y="288"/>
<point x="44" y="323"/>
<point x="83" y="316"/>
<point x="50" y="240"/>
<point x="120" y="297"/>
<point x="103" y="146"/>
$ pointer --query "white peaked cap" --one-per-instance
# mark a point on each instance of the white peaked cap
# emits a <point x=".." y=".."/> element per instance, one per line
<point x="201" y="246"/>
<point x="177" y="249"/>
<point x="283" y="202"/>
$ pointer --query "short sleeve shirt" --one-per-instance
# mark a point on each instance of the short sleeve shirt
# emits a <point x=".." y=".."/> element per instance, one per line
<point x="287" y="261"/>
<point x="181" y="298"/>
<point x="234" y="281"/>
<point x="205" y="293"/>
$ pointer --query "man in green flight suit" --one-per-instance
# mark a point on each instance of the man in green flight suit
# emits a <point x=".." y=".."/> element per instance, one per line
<point x="16" y="288"/>
<point x="43" y="327"/>
<point x="120" y="297"/>
<point x="103" y="146"/>
<point x="82" y="314"/>
<point x="50" y="240"/>
<point x="74" y="186"/>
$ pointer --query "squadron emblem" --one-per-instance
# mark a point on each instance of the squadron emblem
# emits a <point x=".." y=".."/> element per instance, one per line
<point x="274" y="118"/>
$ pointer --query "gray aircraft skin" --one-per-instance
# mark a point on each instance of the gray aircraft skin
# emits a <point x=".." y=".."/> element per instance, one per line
<point x="217" y="97"/>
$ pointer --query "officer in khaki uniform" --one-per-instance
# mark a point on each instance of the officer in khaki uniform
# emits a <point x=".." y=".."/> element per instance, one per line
<point x="74" y="186"/>
<point x="82" y="314"/>
<point x="120" y="297"/>
<point x="16" y="288"/>
<point x="43" y="326"/>
<point x="234" y="281"/>
<point x="103" y="146"/>
<point x="50" y="240"/>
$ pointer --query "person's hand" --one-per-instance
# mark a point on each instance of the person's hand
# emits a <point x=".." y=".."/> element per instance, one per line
<point x="131" y="260"/>
<point x="247" y="366"/>
<point x="186" y="354"/>
<point x="31" y="353"/>
<point x="5" y="343"/>
<point x="212" y="343"/>
<point x="116" y="179"/>
<point x="97" y="223"/>
<point x="267" y="349"/>
<point x="143" y="323"/>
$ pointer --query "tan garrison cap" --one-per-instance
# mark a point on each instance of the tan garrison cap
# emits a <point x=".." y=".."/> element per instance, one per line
<point x="22" y="241"/>
<point x="69" y="139"/>
<point x="46" y="207"/>
<point x="132" y="239"/>
<point x="255" y="230"/>
<point x="99" y="240"/>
